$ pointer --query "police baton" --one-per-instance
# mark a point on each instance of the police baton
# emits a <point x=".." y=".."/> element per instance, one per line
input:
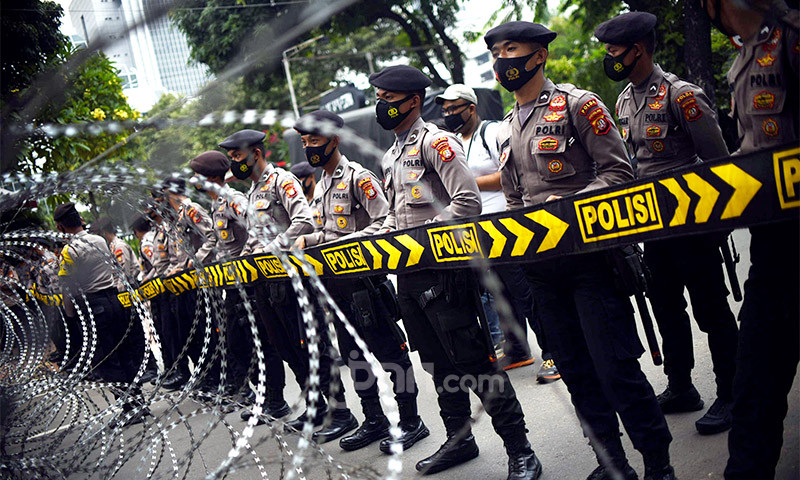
<point x="649" y="330"/>
<point x="731" y="258"/>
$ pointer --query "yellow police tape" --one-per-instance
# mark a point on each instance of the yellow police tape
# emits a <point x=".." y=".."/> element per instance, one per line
<point x="733" y="192"/>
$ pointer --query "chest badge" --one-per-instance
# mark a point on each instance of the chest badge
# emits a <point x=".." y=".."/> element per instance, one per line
<point x="416" y="191"/>
<point x="220" y="223"/>
<point x="412" y="175"/>
<point x="655" y="105"/>
<point x="341" y="222"/>
<point x="260" y="204"/>
<point x="764" y="100"/>
<point x="548" y="143"/>
<point x="558" y="103"/>
<point x="770" y="127"/>
<point x="662" y="92"/>
<point x="553" y="117"/>
<point x="221" y="208"/>
<point x="341" y="186"/>
<point x="338" y="209"/>
<point x="413" y="152"/>
<point x="223" y="234"/>
<point x="765" y="61"/>
<point x="555" y="166"/>
<point x="772" y="43"/>
<point x="653" y="131"/>
<point x="658" y="146"/>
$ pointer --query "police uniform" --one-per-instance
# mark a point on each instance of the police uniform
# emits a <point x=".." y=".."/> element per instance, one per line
<point x="427" y="180"/>
<point x="276" y="199"/>
<point x="352" y="203"/>
<point x="124" y="255"/>
<point x="562" y="143"/>
<point x="84" y="270"/>
<point x="228" y="211"/>
<point x="765" y="97"/>
<point x="147" y="255"/>
<point x="668" y="123"/>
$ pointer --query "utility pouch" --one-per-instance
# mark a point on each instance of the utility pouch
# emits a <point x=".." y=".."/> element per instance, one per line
<point x="277" y="293"/>
<point x="388" y="298"/>
<point x="362" y="301"/>
<point x="630" y="272"/>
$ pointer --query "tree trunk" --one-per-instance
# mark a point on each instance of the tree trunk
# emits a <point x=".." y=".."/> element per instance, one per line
<point x="697" y="47"/>
<point x="416" y="41"/>
<point x="456" y="66"/>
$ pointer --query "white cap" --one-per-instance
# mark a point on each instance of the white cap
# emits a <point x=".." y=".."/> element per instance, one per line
<point x="454" y="92"/>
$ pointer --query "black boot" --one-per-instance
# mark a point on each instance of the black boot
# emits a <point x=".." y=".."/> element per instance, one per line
<point x="175" y="381"/>
<point x="717" y="419"/>
<point x="412" y="432"/>
<point x="656" y="465"/>
<point x="677" y="399"/>
<point x="611" y="459"/>
<point x="456" y="450"/>
<point x="341" y="422"/>
<point x="297" y="423"/>
<point x="274" y="406"/>
<point x="374" y="428"/>
<point x="523" y="464"/>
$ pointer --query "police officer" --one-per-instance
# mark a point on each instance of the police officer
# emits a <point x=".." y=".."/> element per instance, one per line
<point x="305" y="173"/>
<point x="194" y="241"/>
<point x="85" y="271"/>
<point x="132" y="348"/>
<point x="230" y="225"/>
<point x="558" y="141"/>
<point x="353" y="204"/>
<point x="460" y="107"/>
<point x="275" y="199"/>
<point x="765" y="104"/>
<point x="144" y="232"/>
<point x="427" y="180"/>
<point x="668" y="123"/>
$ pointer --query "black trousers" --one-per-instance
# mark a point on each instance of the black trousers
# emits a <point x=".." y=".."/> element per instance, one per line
<point x="385" y="341"/>
<point x="278" y="310"/>
<point x="768" y="338"/>
<point x="455" y="351"/>
<point x="133" y="344"/>
<point x="161" y="307"/>
<point x="109" y="360"/>
<point x="693" y="263"/>
<point x="185" y="312"/>
<point x="241" y="347"/>
<point x="590" y="327"/>
<point x="518" y="292"/>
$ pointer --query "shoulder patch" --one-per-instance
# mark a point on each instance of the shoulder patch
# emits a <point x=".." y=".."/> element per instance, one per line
<point x="194" y="215"/>
<point x="119" y="255"/>
<point x="148" y="251"/>
<point x="365" y="184"/>
<point x="684" y="97"/>
<point x="691" y="111"/>
<point x="601" y="125"/>
<point x="442" y="145"/>
<point x="288" y="187"/>
<point x="588" y="106"/>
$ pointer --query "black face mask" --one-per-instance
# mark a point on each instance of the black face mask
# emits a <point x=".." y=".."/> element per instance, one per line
<point x="716" y="20"/>
<point x="511" y="72"/>
<point x="455" y="122"/>
<point x="242" y="170"/>
<point x="388" y="113"/>
<point x="316" y="156"/>
<point x="615" y="69"/>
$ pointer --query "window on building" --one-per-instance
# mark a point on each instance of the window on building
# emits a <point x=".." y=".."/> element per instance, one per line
<point x="482" y="58"/>
<point x="486" y="76"/>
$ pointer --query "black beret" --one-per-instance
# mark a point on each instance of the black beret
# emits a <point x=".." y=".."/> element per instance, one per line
<point x="309" y="123"/>
<point x="211" y="164"/>
<point x="65" y="210"/>
<point x="519" y="31"/>
<point x="243" y="139"/>
<point x="400" y="78"/>
<point x="140" y="224"/>
<point x="626" y="29"/>
<point x="302" y="169"/>
<point x="174" y="185"/>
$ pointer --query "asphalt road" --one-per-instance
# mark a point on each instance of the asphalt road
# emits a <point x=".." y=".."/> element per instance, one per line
<point x="554" y="433"/>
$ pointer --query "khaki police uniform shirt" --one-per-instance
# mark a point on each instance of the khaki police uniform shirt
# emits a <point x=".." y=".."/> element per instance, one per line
<point x="352" y="204"/>
<point x="427" y="179"/>
<point x="316" y="207"/>
<point x="669" y="125"/>
<point x="196" y="232"/>
<point x="568" y="144"/>
<point x="277" y="199"/>
<point x="230" y="222"/>
<point x="147" y="253"/>
<point x="84" y="264"/>
<point x="163" y="248"/>
<point x="764" y="80"/>
<point x="127" y="260"/>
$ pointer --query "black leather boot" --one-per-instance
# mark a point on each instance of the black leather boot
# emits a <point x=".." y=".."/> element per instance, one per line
<point x="412" y="432"/>
<point x="454" y="451"/>
<point x="656" y="465"/>
<point x="374" y="428"/>
<point x="341" y="422"/>
<point x="611" y="459"/>
<point x="175" y="381"/>
<point x="297" y="423"/>
<point x="523" y="464"/>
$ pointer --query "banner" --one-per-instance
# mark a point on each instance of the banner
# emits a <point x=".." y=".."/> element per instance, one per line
<point x="734" y="192"/>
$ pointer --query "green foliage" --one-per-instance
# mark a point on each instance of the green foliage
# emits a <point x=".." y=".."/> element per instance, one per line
<point x="29" y="38"/>
<point x="94" y="93"/>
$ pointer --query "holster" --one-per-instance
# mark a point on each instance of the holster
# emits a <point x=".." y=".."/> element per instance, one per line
<point x="277" y="294"/>
<point x="363" y="308"/>
<point x="630" y="271"/>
